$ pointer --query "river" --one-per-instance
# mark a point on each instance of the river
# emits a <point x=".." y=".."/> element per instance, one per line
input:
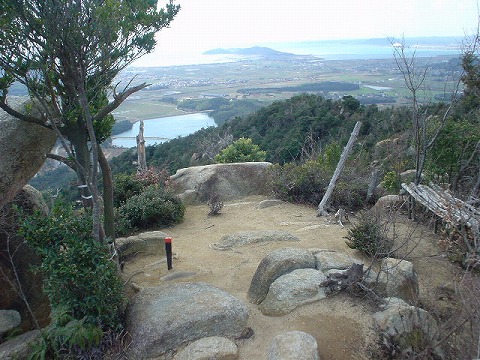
<point x="163" y="129"/>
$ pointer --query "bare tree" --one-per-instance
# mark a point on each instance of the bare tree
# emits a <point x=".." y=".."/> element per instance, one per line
<point x="425" y="128"/>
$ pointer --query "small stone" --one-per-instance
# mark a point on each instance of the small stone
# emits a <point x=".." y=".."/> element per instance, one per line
<point x="274" y="265"/>
<point x="209" y="348"/>
<point x="293" y="345"/>
<point x="9" y="320"/>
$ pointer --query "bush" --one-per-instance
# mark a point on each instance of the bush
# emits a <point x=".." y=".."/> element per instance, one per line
<point x="242" y="150"/>
<point x="125" y="186"/>
<point x="155" y="207"/>
<point x="80" y="280"/>
<point x="306" y="184"/>
<point x="391" y="182"/>
<point x="369" y="236"/>
<point x="302" y="184"/>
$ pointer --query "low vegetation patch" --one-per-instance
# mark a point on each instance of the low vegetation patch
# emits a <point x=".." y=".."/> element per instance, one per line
<point x="369" y="236"/>
<point x="154" y="207"/>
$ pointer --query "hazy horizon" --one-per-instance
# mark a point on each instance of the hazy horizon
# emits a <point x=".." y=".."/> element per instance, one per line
<point x="209" y="24"/>
<point x="336" y="49"/>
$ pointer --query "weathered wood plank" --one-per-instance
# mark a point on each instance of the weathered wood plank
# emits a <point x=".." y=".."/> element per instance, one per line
<point x="445" y="205"/>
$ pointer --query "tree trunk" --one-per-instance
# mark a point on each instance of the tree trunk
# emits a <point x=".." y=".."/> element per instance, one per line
<point x="343" y="158"/>
<point x="82" y="155"/>
<point x="108" y="212"/>
<point x="97" y="226"/>
<point x="374" y="181"/>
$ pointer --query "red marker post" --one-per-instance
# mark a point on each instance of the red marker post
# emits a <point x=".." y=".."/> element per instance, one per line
<point x="168" y="251"/>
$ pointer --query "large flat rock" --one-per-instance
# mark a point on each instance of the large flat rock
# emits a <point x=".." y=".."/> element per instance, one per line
<point x="163" y="318"/>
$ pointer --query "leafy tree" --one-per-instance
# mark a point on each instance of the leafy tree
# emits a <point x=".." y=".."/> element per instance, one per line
<point x="456" y="152"/>
<point x="241" y="150"/>
<point x="67" y="53"/>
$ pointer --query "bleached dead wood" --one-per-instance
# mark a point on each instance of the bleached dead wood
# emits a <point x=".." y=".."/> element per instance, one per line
<point x="343" y="158"/>
<point x="443" y="204"/>
<point x="142" y="162"/>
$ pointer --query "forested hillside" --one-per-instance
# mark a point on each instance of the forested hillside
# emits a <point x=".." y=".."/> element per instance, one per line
<point x="285" y="129"/>
<point x="300" y="128"/>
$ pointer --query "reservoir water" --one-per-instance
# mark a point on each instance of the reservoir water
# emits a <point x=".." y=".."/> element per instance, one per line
<point x="163" y="129"/>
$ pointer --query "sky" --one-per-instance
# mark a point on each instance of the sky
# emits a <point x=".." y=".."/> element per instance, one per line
<point x="206" y="24"/>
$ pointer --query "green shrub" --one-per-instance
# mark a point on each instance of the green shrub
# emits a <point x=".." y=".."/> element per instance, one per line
<point x="127" y="185"/>
<point x="350" y="193"/>
<point x="154" y="207"/>
<point x="242" y="150"/>
<point x="124" y="187"/>
<point x="304" y="184"/>
<point x="66" y="337"/>
<point x="391" y="182"/>
<point x="369" y="236"/>
<point x="79" y="276"/>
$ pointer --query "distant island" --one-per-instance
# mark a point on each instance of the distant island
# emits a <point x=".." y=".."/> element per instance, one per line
<point x="255" y="50"/>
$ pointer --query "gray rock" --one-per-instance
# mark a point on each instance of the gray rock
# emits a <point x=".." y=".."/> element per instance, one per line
<point x="163" y="318"/>
<point x="252" y="237"/>
<point x="30" y="199"/>
<point x="149" y="242"/>
<point x="177" y="275"/>
<point x="397" y="278"/>
<point x="196" y="184"/>
<point x="9" y="320"/>
<point x="274" y="265"/>
<point x="407" y="176"/>
<point x="403" y="327"/>
<point x="23" y="149"/>
<point x="19" y="348"/>
<point x="268" y="203"/>
<point x="389" y="202"/>
<point x="209" y="348"/>
<point x="292" y="290"/>
<point x="293" y="345"/>
<point x="332" y="259"/>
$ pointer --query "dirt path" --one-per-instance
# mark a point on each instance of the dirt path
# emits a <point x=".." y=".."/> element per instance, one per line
<point x="341" y="324"/>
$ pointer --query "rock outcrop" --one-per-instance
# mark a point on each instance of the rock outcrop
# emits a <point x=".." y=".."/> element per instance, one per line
<point x="17" y="260"/>
<point x="195" y="185"/>
<point x="397" y="278"/>
<point x="404" y="328"/>
<point x="23" y="149"/>
<point x="162" y="319"/>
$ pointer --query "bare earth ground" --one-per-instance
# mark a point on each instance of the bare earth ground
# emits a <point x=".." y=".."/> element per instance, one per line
<point x="342" y="324"/>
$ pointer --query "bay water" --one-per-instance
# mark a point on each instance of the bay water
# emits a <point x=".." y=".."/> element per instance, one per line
<point x="163" y="129"/>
